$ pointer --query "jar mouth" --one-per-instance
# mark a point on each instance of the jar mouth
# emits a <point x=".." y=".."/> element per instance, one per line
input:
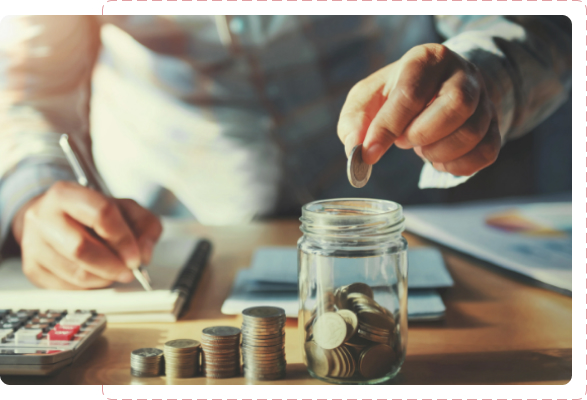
<point x="352" y="216"/>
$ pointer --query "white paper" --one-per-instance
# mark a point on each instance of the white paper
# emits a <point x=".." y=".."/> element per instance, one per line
<point x="120" y="302"/>
<point x="463" y="227"/>
<point x="431" y="178"/>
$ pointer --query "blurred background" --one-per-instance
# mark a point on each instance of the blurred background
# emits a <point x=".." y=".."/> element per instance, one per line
<point x="229" y="118"/>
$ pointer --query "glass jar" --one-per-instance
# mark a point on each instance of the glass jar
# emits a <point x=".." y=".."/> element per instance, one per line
<point x="353" y="287"/>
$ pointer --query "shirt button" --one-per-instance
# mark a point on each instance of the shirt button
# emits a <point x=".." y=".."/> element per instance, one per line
<point x="237" y="25"/>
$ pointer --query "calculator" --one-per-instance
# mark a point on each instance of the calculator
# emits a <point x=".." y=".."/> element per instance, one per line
<point x="34" y="342"/>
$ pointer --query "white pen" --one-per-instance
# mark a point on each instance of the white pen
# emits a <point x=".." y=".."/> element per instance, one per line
<point x="88" y="177"/>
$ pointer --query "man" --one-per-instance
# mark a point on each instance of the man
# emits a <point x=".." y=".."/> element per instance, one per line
<point x="236" y="117"/>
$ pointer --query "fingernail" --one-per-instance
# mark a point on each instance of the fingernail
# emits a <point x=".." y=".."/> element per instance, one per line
<point x="439" y="167"/>
<point x="131" y="257"/>
<point x="347" y="149"/>
<point x="148" y="245"/>
<point x="126" y="276"/>
<point x="349" y="145"/>
<point x="373" y="153"/>
<point x="418" y="151"/>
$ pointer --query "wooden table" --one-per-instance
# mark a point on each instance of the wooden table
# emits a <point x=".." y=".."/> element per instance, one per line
<point x="498" y="329"/>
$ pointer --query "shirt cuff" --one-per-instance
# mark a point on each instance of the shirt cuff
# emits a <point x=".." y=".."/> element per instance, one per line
<point x="27" y="180"/>
<point x="480" y="49"/>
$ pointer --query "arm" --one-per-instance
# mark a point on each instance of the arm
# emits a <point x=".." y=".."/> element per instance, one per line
<point x="525" y="62"/>
<point x="45" y="67"/>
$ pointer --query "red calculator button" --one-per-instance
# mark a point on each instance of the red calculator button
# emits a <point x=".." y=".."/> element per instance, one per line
<point x="68" y="328"/>
<point x="60" y="335"/>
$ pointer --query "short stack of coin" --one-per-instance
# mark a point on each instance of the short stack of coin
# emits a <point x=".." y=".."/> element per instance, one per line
<point x="146" y="362"/>
<point x="263" y="344"/>
<point x="221" y="352"/>
<point x="352" y="336"/>
<point x="182" y="358"/>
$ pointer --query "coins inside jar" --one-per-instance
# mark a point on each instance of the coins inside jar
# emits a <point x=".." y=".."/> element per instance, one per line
<point x="221" y="352"/>
<point x="351" y="336"/>
<point x="263" y="344"/>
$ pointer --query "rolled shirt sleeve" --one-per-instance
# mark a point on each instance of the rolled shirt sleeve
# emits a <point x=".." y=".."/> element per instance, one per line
<point x="526" y="64"/>
<point x="45" y="69"/>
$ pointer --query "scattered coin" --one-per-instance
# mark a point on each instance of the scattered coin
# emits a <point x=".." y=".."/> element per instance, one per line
<point x="146" y="362"/>
<point x="182" y="358"/>
<point x="357" y="170"/>
<point x="221" y="352"/>
<point x="263" y="345"/>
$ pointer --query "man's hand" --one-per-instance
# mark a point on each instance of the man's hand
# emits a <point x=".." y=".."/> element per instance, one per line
<point x="58" y="252"/>
<point x="431" y="100"/>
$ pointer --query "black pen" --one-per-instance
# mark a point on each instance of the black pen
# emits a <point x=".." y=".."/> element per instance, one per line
<point x="88" y="177"/>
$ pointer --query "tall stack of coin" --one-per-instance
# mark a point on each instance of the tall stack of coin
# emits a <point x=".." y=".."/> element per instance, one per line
<point x="351" y="336"/>
<point x="182" y="358"/>
<point x="263" y="344"/>
<point x="146" y="362"/>
<point x="221" y="352"/>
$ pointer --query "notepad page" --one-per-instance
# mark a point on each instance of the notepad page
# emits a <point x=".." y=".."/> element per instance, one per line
<point x="169" y="256"/>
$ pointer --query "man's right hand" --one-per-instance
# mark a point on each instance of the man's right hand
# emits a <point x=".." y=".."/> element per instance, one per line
<point x="58" y="251"/>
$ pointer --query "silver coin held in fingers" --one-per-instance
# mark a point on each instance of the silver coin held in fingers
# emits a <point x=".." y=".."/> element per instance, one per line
<point x="357" y="170"/>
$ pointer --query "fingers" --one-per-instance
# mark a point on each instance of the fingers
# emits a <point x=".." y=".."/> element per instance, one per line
<point x="66" y="270"/>
<point x="98" y="212"/>
<point x="417" y="83"/>
<point x="359" y="109"/>
<point x="463" y="139"/>
<point x="42" y="278"/>
<point x="483" y="155"/>
<point x="72" y="240"/>
<point x="457" y="100"/>
<point x="145" y="225"/>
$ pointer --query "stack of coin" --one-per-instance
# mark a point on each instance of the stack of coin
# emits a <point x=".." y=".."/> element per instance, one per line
<point x="182" y="358"/>
<point x="221" y="352"/>
<point x="146" y="362"/>
<point x="352" y="336"/>
<point x="263" y="345"/>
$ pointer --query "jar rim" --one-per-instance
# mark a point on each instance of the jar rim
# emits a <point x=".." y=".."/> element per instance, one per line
<point x="352" y="217"/>
<point x="366" y="207"/>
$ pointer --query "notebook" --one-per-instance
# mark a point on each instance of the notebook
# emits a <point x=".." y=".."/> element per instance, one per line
<point x="174" y="269"/>
<point x="264" y="283"/>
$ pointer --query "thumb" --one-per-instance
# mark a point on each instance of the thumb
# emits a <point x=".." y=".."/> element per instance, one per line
<point x="359" y="109"/>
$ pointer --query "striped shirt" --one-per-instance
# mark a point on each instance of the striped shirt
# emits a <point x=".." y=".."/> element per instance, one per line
<point x="236" y="116"/>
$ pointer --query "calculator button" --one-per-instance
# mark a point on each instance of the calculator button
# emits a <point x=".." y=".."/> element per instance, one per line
<point x="11" y="325"/>
<point x="60" y="335"/>
<point x="27" y="336"/>
<point x="26" y="313"/>
<point x="59" y="312"/>
<point x="69" y="328"/>
<point x="4" y="333"/>
<point x="43" y="327"/>
<point x="43" y="321"/>
<point x="74" y="321"/>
